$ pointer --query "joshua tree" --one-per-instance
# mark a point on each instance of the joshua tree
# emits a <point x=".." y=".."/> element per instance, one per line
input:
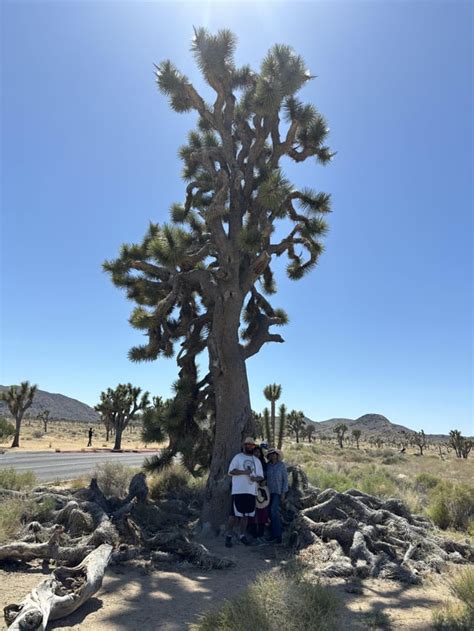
<point x="309" y="432"/>
<point x="296" y="423"/>
<point x="121" y="406"/>
<point x="258" y="424"/>
<point x="356" y="433"/>
<point x="272" y="393"/>
<point x="462" y="446"/>
<point x="18" y="399"/>
<point x="195" y="280"/>
<point x="419" y="439"/>
<point x="340" y="429"/>
<point x="281" y="425"/>
<point x="43" y="416"/>
<point x="267" y="427"/>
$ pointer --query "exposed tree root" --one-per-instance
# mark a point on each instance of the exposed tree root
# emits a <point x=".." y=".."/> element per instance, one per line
<point x="374" y="537"/>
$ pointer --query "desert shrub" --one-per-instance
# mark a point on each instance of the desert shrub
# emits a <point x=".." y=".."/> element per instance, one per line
<point x="113" y="478"/>
<point x="458" y="616"/>
<point x="10" y="518"/>
<point x="38" y="433"/>
<point x="38" y="511"/>
<point x="16" y="481"/>
<point x="452" y="506"/>
<point x="426" y="481"/>
<point x="393" y="459"/>
<point x="7" y="429"/>
<point x="175" y="482"/>
<point x="376" y="620"/>
<point x="275" y="601"/>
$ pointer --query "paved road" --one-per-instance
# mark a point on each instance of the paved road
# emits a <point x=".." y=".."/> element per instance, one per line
<point x="63" y="466"/>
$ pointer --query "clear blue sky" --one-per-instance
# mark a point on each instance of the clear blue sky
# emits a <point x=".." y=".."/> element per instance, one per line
<point x="384" y="324"/>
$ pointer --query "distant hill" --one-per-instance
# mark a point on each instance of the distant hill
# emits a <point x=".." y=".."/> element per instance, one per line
<point x="59" y="406"/>
<point x="370" y="425"/>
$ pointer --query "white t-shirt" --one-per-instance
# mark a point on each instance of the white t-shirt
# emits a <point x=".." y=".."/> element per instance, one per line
<point x="242" y="483"/>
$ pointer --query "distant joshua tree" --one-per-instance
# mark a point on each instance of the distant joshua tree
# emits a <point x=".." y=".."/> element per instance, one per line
<point x="18" y="400"/>
<point x="266" y="426"/>
<point x="43" y="416"/>
<point x="462" y="446"/>
<point x="281" y="425"/>
<point x="356" y="433"/>
<point x="296" y="423"/>
<point x="121" y="406"/>
<point x="272" y="393"/>
<point x="419" y="439"/>
<point x="340" y="429"/>
<point x="309" y="432"/>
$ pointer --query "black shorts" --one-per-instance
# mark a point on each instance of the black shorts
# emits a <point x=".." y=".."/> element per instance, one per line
<point x="243" y="505"/>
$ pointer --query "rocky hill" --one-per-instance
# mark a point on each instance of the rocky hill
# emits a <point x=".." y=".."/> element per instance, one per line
<point x="59" y="406"/>
<point x="370" y="425"/>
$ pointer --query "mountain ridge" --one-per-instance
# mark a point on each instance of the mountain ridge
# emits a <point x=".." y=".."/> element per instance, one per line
<point x="59" y="405"/>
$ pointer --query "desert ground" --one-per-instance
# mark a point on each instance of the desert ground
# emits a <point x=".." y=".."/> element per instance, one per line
<point x="142" y="596"/>
<point x="72" y="436"/>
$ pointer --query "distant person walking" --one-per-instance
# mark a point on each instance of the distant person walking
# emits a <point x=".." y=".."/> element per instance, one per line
<point x="91" y="433"/>
<point x="277" y="482"/>
<point x="246" y="472"/>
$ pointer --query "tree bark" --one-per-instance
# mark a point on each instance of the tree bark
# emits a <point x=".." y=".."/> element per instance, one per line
<point x="233" y="410"/>
<point x="118" y="438"/>
<point x="16" y="438"/>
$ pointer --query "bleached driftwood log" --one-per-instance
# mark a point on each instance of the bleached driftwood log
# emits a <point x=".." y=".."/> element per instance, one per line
<point x="61" y="593"/>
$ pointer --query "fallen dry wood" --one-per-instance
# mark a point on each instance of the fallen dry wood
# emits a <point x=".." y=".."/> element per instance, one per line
<point x="61" y="593"/>
<point x="369" y="536"/>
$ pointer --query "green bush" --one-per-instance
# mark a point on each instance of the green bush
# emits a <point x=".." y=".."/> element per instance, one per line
<point x="10" y="519"/>
<point x="174" y="482"/>
<point x="7" y="429"/>
<point x="17" y="481"/>
<point x="113" y="478"/>
<point x="452" y="506"/>
<point x="426" y="481"/>
<point x="275" y="601"/>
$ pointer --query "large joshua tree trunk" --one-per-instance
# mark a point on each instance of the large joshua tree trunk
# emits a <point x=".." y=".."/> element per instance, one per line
<point x="118" y="438"/>
<point x="16" y="438"/>
<point x="233" y="410"/>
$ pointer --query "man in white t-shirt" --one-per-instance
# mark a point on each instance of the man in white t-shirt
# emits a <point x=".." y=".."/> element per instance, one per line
<point x="246" y="472"/>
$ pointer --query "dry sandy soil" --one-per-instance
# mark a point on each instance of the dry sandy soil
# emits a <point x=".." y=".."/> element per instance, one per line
<point x="71" y="436"/>
<point x="137" y="598"/>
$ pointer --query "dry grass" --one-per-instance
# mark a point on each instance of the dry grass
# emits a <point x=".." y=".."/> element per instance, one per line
<point x="275" y="601"/>
<point x="443" y="489"/>
<point x="459" y="615"/>
<point x="71" y="436"/>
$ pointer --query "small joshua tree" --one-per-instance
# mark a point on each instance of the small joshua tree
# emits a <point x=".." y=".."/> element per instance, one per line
<point x="419" y="439"/>
<point x="43" y="416"/>
<point x="356" y="433"/>
<point x="18" y="400"/>
<point x="272" y="393"/>
<point x="340" y="430"/>
<point x="267" y="426"/>
<point x="296" y="423"/>
<point x="281" y="424"/>
<point x="121" y="406"/>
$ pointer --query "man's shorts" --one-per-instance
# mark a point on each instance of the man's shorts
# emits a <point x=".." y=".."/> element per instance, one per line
<point x="243" y="505"/>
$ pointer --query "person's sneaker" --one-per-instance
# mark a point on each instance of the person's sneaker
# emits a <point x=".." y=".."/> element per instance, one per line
<point x="228" y="541"/>
<point x="270" y="539"/>
<point x="245" y="541"/>
<point x="261" y="541"/>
